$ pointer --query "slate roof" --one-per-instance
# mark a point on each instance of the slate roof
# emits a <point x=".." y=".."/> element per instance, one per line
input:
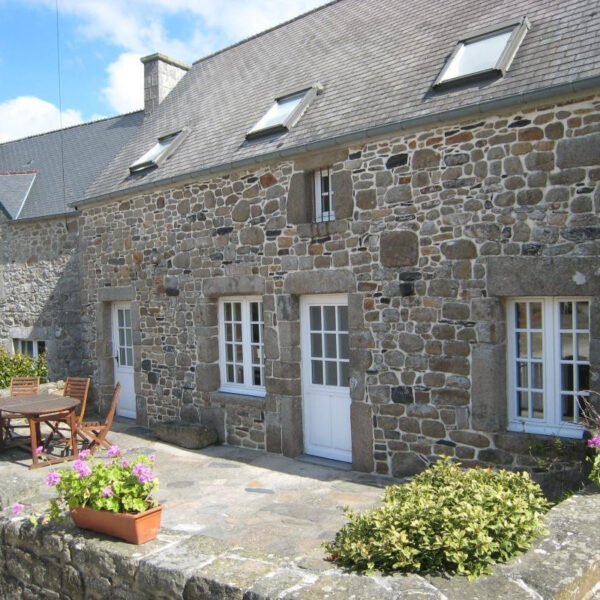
<point x="14" y="189"/>
<point x="87" y="150"/>
<point x="377" y="61"/>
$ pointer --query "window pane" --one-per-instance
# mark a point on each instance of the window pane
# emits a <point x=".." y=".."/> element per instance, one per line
<point x="329" y="318"/>
<point x="128" y="337"/>
<point x="257" y="376"/>
<point x="120" y="318"/>
<point x="316" y="344"/>
<point x="478" y="55"/>
<point x="29" y="347"/>
<point x="583" y="372"/>
<point x="41" y="347"/>
<point x="342" y="318"/>
<point x="237" y="311"/>
<point x="537" y="400"/>
<point x="566" y="377"/>
<point x="537" y="375"/>
<point x="567" y="407"/>
<point x="121" y="337"/>
<point x="255" y="333"/>
<point x="228" y="332"/>
<point x="330" y="345"/>
<point x="583" y="315"/>
<point x="330" y="373"/>
<point x="522" y="378"/>
<point x="228" y="311"/>
<point x="344" y="376"/>
<point x="239" y="353"/>
<point x="535" y="315"/>
<point x="536" y="345"/>
<point x="127" y="314"/>
<point x="583" y="346"/>
<point x="317" y="371"/>
<point x="521" y="315"/>
<point x="238" y="332"/>
<point x="343" y="345"/>
<point x="228" y="352"/>
<point x="122" y="357"/>
<point x="522" y="404"/>
<point x="230" y="375"/>
<point x="129" y="357"/>
<point x="522" y="351"/>
<point x="254" y="312"/>
<point x="566" y="315"/>
<point x="256" y="355"/>
<point x="278" y="113"/>
<point x="566" y="346"/>
<point x="315" y="318"/>
<point x="239" y="374"/>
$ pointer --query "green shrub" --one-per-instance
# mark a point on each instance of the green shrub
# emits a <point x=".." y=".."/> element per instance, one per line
<point x="21" y="365"/>
<point x="446" y="520"/>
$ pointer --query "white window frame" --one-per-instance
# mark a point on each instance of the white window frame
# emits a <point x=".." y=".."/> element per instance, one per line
<point x="245" y="388"/>
<point x="18" y="346"/>
<point x="306" y="96"/>
<point x="551" y="424"/>
<point x="323" y="216"/>
<point x="157" y="154"/>
<point x="518" y="29"/>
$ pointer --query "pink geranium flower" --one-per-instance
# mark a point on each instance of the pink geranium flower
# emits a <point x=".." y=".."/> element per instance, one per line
<point x="114" y="451"/>
<point x="107" y="492"/>
<point x="39" y="450"/>
<point x="52" y="478"/>
<point x="17" y="508"/>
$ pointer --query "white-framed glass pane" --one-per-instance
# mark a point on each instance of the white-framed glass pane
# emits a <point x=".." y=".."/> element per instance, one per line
<point x="477" y="55"/>
<point x="279" y="112"/>
<point x="149" y="158"/>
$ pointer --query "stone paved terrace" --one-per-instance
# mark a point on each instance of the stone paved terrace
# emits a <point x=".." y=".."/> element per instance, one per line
<point x="244" y="524"/>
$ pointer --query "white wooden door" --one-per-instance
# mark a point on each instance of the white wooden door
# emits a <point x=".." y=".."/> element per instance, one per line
<point x="325" y="377"/>
<point x="123" y="358"/>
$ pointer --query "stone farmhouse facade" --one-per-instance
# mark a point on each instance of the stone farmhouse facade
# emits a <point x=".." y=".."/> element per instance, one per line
<point x="401" y="271"/>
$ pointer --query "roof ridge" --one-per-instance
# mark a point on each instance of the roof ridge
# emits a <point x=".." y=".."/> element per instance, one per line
<point x="264" y="32"/>
<point x="92" y="122"/>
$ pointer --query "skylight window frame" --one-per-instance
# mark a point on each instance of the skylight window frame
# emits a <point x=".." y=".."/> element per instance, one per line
<point x="519" y="28"/>
<point x="309" y="95"/>
<point x="178" y="138"/>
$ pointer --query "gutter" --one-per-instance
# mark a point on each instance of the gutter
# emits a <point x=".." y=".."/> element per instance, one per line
<point x="356" y="136"/>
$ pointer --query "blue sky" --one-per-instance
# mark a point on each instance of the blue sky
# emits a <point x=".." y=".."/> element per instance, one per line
<point x="101" y="42"/>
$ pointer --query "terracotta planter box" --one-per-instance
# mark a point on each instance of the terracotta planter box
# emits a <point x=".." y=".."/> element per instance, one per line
<point x="135" y="528"/>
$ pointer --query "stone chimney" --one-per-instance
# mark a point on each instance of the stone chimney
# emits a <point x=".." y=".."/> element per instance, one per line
<point x="161" y="75"/>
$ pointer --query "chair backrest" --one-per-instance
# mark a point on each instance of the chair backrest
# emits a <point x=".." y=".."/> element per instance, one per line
<point x="24" y="386"/>
<point x="113" y="407"/>
<point x="78" y="387"/>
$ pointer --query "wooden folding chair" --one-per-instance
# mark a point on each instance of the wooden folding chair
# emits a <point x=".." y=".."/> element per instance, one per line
<point x="19" y="386"/>
<point x="75" y="387"/>
<point x="78" y="387"/>
<point x="93" y="433"/>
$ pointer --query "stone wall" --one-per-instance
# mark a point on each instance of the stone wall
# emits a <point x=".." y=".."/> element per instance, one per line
<point x="40" y="289"/>
<point x="434" y="229"/>
<point x="55" y="562"/>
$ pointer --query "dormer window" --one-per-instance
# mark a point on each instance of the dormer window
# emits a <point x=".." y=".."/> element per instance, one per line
<point x="158" y="153"/>
<point x="283" y="114"/>
<point x="489" y="51"/>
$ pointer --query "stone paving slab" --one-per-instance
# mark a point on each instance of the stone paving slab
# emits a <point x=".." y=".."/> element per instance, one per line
<point x="247" y="525"/>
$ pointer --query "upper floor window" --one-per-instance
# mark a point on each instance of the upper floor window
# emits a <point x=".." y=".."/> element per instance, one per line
<point x="323" y="196"/>
<point x="549" y="364"/>
<point x="158" y="153"/>
<point x="241" y="346"/>
<point x="32" y="348"/>
<point x="490" y="51"/>
<point x="283" y="113"/>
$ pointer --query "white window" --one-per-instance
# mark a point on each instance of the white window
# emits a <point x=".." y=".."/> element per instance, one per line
<point x="30" y="347"/>
<point x="159" y="152"/>
<point x="283" y="113"/>
<point x="324" y="206"/>
<point x="490" y="51"/>
<point x="549" y="364"/>
<point x="241" y="346"/>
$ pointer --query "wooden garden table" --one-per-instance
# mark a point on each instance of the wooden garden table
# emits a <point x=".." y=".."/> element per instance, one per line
<point x="34" y="408"/>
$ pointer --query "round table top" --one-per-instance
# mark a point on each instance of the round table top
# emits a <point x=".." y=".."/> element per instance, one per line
<point x="37" y="404"/>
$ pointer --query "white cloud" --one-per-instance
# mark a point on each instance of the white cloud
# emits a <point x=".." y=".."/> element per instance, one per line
<point x="28" y="115"/>
<point x="125" y="89"/>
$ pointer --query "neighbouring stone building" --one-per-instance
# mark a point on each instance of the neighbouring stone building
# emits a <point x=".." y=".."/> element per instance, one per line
<point x="398" y="261"/>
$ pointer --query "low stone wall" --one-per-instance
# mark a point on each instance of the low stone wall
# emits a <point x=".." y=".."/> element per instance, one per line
<point x="55" y="562"/>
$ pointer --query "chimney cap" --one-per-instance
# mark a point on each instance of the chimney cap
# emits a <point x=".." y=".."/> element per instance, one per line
<point x="162" y="57"/>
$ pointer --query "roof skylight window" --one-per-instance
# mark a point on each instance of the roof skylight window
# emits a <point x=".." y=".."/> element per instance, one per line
<point x="284" y="113"/>
<point x="490" y="51"/>
<point x="159" y="152"/>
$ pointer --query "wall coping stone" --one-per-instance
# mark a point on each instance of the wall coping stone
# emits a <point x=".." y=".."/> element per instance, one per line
<point x="116" y="294"/>
<point x="249" y="285"/>
<point x="60" y="559"/>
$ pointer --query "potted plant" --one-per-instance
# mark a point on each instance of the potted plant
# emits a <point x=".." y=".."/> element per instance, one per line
<point x="114" y="498"/>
